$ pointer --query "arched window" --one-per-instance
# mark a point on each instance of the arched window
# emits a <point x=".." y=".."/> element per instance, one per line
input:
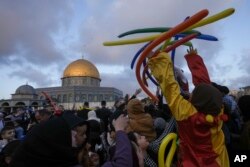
<point x="77" y="98"/>
<point x="90" y="97"/>
<point x="59" y="98"/>
<point x="6" y="104"/>
<point x="20" y="104"/>
<point x="6" y="107"/>
<point x="100" y="97"/>
<point x="95" y="98"/>
<point x="70" y="98"/>
<point x="64" y="98"/>
<point x="34" y="104"/>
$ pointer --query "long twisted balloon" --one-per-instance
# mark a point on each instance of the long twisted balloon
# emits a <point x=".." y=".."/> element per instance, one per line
<point x="179" y="28"/>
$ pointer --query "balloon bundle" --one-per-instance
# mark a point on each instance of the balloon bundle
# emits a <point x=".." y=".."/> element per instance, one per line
<point x="161" y="42"/>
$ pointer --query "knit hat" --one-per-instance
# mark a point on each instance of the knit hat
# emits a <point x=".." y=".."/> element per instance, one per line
<point x="159" y="123"/>
<point x="207" y="99"/>
<point x="135" y="106"/>
<point x="92" y="116"/>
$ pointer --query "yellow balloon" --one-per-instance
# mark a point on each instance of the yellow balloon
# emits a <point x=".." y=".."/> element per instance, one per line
<point x="201" y="23"/>
<point x="137" y="40"/>
<point x="213" y="18"/>
<point x="161" y="152"/>
<point x="131" y="41"/>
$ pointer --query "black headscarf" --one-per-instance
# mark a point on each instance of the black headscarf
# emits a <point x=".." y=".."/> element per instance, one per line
<point x="49" y="144"/>
<point x="207" y="99"/>
<point x="244" y="105"/>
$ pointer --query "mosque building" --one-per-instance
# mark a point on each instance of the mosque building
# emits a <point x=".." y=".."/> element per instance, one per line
<point x="80" y="83"/>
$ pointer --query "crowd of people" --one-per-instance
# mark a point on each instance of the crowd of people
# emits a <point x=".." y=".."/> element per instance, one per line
<point x="211" y="125"/>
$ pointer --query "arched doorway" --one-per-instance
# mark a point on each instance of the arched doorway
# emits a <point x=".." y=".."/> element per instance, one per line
<point x="6" y="107"/>
<point x="19" y="105"/>
<point x="34" y="104"/>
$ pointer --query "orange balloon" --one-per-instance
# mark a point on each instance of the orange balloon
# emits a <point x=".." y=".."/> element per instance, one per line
<point x="177" y="29"/>
<point x="180" y="42"/>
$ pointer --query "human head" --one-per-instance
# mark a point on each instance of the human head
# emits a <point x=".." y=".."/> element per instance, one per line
<point x="94" y="159"/>
<point x="120" y="104"/>
<point x="92" y="116"/>
<point x="159" y="124"/>
<point x="223" y="89"/>
<point x="135" y="106"/>
<point x="103" y="103"/>
<point x="42" y="115"/>
<point x="56" y="151"/>
<point x="80" y="134"/>
<point x="141" y="141"/>
<point x="86" y="104"/>
<point x="207" y="99"/>
<point x="78" y="128"/>
<point x="8" y="133"/>
<point x="244" y="105"/>
<point x="181" y="79"/>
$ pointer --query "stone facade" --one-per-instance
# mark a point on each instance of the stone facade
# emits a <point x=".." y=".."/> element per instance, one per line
<point x="80" y="83"/>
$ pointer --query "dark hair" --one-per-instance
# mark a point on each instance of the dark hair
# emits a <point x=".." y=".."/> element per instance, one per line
<point x="151" y="110"/>
<point x="244" y="105"/>
<point x="225" y="90"/>
<point x="9" y="122"/>
<point x="114" y="116"/>
<point x="222" y="89"/>
<point x="132" y="137"/>
<point x="5" y="128"/>
<point x="44" y="112"/>
<point x="86" y="103"/>
<point x="103" y="103"/>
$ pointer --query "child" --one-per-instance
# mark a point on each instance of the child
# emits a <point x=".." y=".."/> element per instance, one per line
<point x="7" y="135"/>
<point x="199" y="120"/>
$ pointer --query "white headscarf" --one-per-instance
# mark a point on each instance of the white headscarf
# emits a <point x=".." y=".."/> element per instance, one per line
<point x="92" y="116"/>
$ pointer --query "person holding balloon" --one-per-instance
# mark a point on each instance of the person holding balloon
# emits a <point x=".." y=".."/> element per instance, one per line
<point x="199" y="119"/>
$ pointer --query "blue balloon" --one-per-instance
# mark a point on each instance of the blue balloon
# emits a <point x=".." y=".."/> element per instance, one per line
<point x="148" y="74"/>
<point x="137" y="55"/>
<point x="201" y="36"/>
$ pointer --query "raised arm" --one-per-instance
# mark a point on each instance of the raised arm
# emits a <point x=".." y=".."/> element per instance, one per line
<point x="162" y="69"/>
<point x="197" y="67"/>
<point x="123" y="152"/>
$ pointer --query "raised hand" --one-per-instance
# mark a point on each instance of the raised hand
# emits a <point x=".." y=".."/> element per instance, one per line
<point x="121" y="123"/>
<point x="191" y="50"/>
<point x="137" y="91"/>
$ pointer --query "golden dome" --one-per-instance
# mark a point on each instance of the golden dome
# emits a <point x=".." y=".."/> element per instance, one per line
<point x="81" y="68"/>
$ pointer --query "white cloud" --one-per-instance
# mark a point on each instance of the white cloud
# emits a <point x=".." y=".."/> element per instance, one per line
<point x="51" y="34"/>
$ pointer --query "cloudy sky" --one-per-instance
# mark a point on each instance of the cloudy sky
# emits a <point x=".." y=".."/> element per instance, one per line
<point x="39" y="38"/>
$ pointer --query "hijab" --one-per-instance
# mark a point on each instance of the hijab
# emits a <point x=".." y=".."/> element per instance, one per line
<point x="49" y="144"/>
